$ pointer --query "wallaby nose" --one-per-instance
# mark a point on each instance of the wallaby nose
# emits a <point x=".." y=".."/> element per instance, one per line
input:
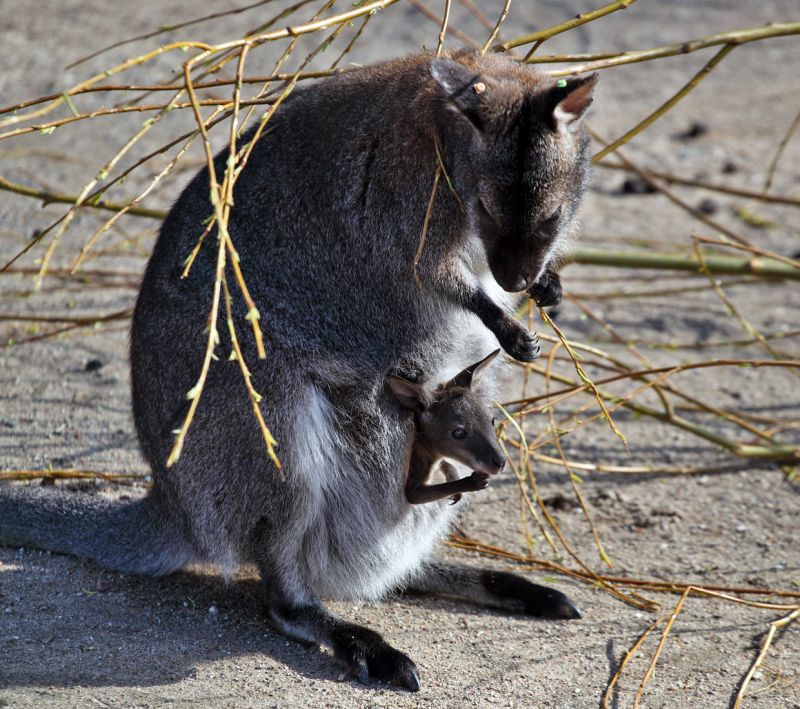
<point x="499" y="461"/>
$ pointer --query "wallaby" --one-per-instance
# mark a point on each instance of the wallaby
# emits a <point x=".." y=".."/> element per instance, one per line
<point x="326" y="222"/>
<point x="455" y="422"/>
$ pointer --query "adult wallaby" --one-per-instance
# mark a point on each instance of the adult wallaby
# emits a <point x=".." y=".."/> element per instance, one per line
<point x="327" y="221"/>
<point x="454" y="421"/>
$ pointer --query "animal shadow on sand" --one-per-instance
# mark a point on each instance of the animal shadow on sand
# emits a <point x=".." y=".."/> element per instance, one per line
<point x="75" y="624"/>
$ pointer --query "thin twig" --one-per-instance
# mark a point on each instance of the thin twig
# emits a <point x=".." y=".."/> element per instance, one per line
<point x="667" y="105"/>
<point x="773" y="164"/>
<point x="491" y="38"/>
<point x="443" y="31"/>
<point x="542" y="35"/>
<point x="673" y="616"/>
<point x="737" y="37"/>
<point x="604" y="702"/>
<point x="774" y="626"/>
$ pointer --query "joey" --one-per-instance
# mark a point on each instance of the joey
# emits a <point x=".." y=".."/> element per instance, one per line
<point x="452" y="422"/>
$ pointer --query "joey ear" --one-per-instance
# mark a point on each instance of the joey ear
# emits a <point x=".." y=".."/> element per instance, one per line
<point x="461" y="84"/>
<point x="466" y="378"/>
<point x="571" y="98"/>
<point x="408" y="393"/>
<point x="478" y="367"/>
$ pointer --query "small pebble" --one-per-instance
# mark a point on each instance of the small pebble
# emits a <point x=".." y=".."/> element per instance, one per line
<point x="213" y="611"/>
<point x="93" y="365"/>
<point x="708" y="206"/>
<point x="635" y="185"/>
<point x="695" y="130"/>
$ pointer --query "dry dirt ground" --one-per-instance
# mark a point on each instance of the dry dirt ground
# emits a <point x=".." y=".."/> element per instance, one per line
<point x="73" y="635"/>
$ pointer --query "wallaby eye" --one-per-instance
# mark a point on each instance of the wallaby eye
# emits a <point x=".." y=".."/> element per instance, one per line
<point x="459" y="433"/>
<point x="554" y="217"/>
<point x="494" y="420"/>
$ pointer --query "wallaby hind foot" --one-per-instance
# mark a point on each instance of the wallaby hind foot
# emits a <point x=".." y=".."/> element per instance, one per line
<point x="496" y="589"/>
<point x="362" y="653"/>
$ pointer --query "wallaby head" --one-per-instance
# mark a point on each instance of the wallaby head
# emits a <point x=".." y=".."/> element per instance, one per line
<point x="516" y="153"/>
<point x="454" y="421"/>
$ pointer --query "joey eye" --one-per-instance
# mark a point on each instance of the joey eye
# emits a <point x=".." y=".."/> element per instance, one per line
<point x="554" y="217"/>
<point x="459" y="433"/>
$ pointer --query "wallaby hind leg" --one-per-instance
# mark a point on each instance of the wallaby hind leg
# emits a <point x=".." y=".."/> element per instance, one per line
<point x="497" y="589"/>
<point x="361" y="652"/>
<point x="299" y="614"/>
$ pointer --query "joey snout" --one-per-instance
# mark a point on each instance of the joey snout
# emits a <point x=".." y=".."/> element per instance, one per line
<point x="490" y="465"/>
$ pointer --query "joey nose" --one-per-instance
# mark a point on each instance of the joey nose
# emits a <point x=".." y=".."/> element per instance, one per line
<point x="498" y="461"/>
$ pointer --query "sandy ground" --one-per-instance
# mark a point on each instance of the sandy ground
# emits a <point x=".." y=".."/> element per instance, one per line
<point x="74" y="635"/>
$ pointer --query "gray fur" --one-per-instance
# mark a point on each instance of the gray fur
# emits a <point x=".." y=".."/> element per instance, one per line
<point x="327" y="219"/>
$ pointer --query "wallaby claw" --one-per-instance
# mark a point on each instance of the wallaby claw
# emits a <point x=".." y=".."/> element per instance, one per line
<point x="366" y="656"/>
<point x="410" y="678"/>
<point x="547" y="291"/>
<point x="455" y="498"/>
<point x="524" y="347"/>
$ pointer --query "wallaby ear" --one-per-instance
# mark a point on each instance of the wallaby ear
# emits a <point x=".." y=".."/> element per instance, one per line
<point x="571" y="98"/>
<point x="462" y="85"/>
<point x="466" y="378"/>
<point x="478" y="367"/>
<point x="409" y="394"/>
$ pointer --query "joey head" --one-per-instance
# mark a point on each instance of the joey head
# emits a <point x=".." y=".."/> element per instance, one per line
<point x="452" y="422"/>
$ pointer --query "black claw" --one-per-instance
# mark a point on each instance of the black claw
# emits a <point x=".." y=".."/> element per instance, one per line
<point x="366" y="656"/>
<point x="547" y="291"/>
<point x="554" y="604"/>
<point x="410" y="679"/>
<point x="360" y="671"/>
<point x="526" y="348"/>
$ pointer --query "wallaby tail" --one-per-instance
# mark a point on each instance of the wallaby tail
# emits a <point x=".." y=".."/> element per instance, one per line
<point x="140" y="537"/>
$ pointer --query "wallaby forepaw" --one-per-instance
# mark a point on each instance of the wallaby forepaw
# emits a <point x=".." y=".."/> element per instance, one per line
<point x="478" y="481"/>
<point x="365" y="655"/>
<point x="523" y="346"/>
<point x="547" y="290"/>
